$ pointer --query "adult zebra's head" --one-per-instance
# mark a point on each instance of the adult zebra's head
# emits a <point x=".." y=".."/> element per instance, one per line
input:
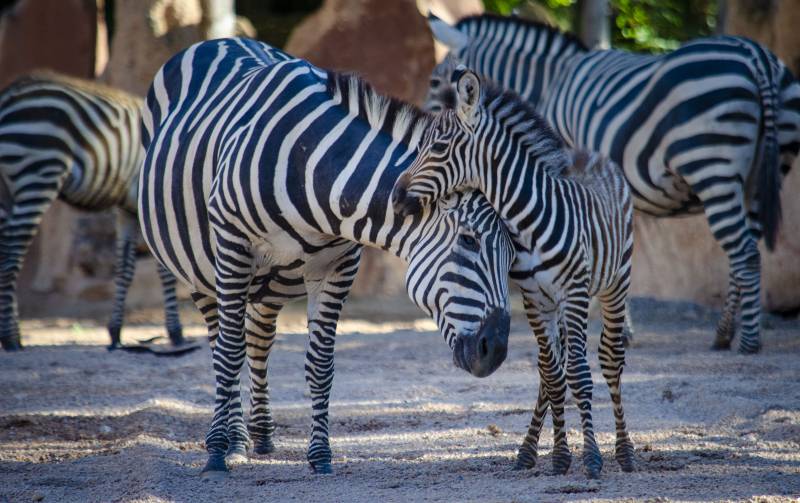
<point x="447" y="161"/>
<point x="458" y="273"/>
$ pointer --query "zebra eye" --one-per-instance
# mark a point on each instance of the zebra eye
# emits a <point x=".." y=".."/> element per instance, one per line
<point x="439" y="147"/>
<point x="468" y="241"/>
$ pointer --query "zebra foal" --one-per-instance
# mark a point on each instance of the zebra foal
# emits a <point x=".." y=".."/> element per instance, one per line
<point x="711" y="128"/>
<point x="570" y="219"/>
<point x="263" y="177"/>
<point x="78" y="141"/>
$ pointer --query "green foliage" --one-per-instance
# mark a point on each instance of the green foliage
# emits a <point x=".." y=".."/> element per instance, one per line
<point x="637" y="25"/>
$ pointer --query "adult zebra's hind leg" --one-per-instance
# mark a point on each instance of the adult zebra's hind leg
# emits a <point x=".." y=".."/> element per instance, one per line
<point x="326" y="296"/>
<point x="612" y="361"/>
<point x="726" y="328"/>
<point x="127" y="235"/>
<point x="260" y="335"/>
<point x="172" y="318"/>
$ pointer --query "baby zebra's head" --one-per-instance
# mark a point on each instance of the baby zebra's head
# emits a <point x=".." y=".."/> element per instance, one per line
<point x="447" y="159"/>
<point x="458" y="273"/>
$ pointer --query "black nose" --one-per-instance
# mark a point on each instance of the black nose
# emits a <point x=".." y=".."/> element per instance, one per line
<point x="482" y="353"/>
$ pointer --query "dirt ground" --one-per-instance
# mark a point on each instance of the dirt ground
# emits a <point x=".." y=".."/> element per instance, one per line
<point x="78" y="423"/>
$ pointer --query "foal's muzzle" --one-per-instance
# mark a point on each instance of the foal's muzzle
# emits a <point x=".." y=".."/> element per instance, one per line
<point x="404" y="203"/>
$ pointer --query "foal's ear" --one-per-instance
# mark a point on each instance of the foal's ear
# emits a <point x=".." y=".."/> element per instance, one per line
<point x="468" y="94"/>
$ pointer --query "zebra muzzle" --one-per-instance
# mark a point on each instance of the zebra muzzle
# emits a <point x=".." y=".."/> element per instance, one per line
<point x="482" y="352"/>
<point x="404" y="203"/>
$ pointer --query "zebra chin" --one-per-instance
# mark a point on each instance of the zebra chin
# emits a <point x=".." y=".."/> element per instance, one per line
<point x="482" y="352"/>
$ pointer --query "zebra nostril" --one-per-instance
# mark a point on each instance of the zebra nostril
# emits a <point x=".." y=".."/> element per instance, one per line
<point x="483" y="347"/>
<point x="399" y="195"/>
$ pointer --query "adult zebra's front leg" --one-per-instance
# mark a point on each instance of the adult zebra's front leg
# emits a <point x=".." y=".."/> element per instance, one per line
<point x="233" y="274"/>
<point x="260" y="335"/>
<point x="326" y="296"/>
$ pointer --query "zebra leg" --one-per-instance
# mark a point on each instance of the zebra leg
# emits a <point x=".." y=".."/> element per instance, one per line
<point x="21" y="223"/>
<point x="171" y="317"/>
<point x="579" y="376"/>
<point x="552" y="391"/>
<point x="127" y="233"/>
<point x="612" y="360"/>
<point x="260" y="335"/>
<point x="233" y="275"/>
<point x="325" y="300"/>
<point x="207" y="306"/>
<point x="627" y="330"/>
<point x="729" y="223"/>
<point x="726" y="328"/>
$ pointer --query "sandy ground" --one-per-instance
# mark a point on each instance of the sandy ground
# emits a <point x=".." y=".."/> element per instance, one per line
<point x="78" y="423"/>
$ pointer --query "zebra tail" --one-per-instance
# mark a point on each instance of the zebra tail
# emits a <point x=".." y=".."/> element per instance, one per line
<point x="768" y="161"/>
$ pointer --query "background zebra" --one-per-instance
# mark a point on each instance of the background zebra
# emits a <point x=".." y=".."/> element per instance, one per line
<point x="570" y="219"/>
<point x="710" y="127"/>
<point x="79" y="141"/>
<point x="263" y="176"/>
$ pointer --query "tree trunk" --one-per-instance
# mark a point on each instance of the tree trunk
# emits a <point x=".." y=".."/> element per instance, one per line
<point x="593" y="17"/>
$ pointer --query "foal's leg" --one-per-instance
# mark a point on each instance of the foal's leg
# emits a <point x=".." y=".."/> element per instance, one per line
<point x="260" y="334"/>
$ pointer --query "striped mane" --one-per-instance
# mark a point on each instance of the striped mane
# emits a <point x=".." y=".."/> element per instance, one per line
<point x="519" y="117"/>
<point x="403" y="121"/>
<point x="481" y="24"/>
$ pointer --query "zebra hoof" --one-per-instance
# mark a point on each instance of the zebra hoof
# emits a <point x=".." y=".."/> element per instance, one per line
<point x="525" y="460"/>
<point x="322" y="467"/>
<point x="592" y="464"/>
<point x="236" y="455"/>
<point x="749" y="349"/>
<point x="215" y="469"/>
<point x="11" y="344"/>
<point x="721" y="345"/>
<point x="624" y="455"/>
<point x="561" y="461"/>
<point x="264" y="446"/>
<point x="176" y="336"/>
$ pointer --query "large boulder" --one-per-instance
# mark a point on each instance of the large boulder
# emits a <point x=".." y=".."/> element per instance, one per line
<point x="388" y="43"/>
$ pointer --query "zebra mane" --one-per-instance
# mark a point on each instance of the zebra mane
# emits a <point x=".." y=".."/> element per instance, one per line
<point x="403" y="121"/>
<point x="527" y="24"/>
<point x="520" y="119"/>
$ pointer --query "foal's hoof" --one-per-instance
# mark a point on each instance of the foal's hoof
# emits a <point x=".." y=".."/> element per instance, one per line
<point x="264" y="446"/>
<point x="749" y="349"/>
<point x="624" y="455"/>
<point x="215" y="469"/>
<point x="592" y="464"/>
<point x="322" y="467"/>
<point x="236" y="455"/>
<point x="525" y="460"/>
<point x="562" y="458"/>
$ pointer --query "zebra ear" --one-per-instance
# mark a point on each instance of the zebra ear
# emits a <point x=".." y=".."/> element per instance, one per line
<point x="446" y="34"/>
<point x="468" y="93"/>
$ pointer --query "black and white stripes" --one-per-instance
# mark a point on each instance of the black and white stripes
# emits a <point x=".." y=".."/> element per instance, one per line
<point x="570" y="218"/>
<point x="263" y="176"/>
<point x="79" y="141"/>
<point x="710" y="127"/>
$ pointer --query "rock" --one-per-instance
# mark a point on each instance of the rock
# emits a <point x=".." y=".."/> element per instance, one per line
<point x="57" y="34"/>
<point x="386" y="41"/>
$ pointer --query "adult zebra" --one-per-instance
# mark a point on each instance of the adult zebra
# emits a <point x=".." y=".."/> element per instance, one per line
<point x="78" y="141"/>
<point x="570" y="218"/>
<point x="710" y="127"/>
<point x="263" y="176"/>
